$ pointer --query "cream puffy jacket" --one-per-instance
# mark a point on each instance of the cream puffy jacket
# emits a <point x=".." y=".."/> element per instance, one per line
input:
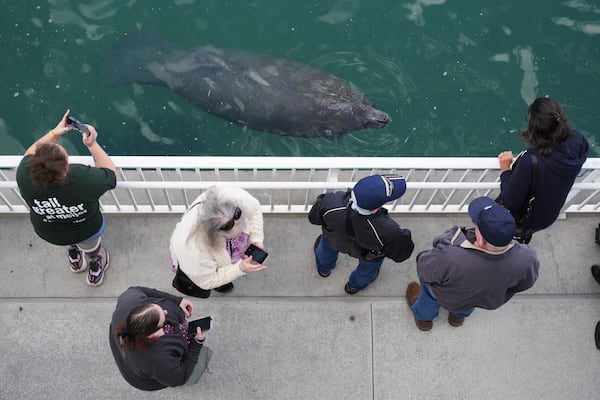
<point x="206" y="266"/>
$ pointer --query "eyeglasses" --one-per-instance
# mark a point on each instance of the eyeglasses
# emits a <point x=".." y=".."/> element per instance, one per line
<point x="237" y="215"/>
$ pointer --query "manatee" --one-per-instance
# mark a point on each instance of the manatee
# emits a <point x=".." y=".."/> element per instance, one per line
<point x="254" y="90"/>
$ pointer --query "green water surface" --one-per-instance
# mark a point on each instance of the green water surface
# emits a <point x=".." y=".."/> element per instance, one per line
<point x="456" y="77"/>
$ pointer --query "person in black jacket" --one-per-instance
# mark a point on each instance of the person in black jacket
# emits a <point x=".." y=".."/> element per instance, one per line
<point x="150" y="342"/>
<point x="355" y="223"/>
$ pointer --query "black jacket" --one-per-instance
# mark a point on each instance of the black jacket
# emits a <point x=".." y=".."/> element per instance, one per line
<point x="365" y="237"/>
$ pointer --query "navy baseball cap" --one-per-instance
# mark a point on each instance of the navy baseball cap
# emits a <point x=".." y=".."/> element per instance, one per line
<point x="495" y="223"/>
<point x="374" y="191"/>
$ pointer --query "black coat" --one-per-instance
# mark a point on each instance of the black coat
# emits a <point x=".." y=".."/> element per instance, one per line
<point x="168" y="361"/>
<point x="365" y="237"/>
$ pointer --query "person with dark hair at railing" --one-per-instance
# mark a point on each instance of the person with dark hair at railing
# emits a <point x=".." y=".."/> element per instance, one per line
<point x="356" y="223"/>
<point x="63" y="197"/>
<point x="151" y="342"/>
<point x="468" y="268"/>
<point x="535" y="184"/>
<point x="209" y="243"/>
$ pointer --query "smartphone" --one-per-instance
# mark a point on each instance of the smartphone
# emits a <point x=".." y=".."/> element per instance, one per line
<point x="469" y="233"/>
<point x="257" y="254"/>
<point x="78" y="125"/>
<point x="205" y="324"/>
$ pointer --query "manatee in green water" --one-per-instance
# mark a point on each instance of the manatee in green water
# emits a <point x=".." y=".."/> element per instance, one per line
<point x="253" y="90"/>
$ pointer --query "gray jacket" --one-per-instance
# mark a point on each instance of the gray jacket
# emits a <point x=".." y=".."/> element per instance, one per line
<point x="463" y="276"/>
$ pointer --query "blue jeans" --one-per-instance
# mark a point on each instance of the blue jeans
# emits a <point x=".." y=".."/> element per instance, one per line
<point x="365" y="273"/>
<point x="426" y="306"/>
<point x="97" y="235"/>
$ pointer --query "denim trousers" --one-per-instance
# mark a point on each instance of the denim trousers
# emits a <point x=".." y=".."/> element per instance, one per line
<point x="365" y="273"/>
<point x="426" y="306"/>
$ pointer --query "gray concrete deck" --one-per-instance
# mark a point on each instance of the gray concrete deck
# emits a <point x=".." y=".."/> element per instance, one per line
<point x="286" y="333"/>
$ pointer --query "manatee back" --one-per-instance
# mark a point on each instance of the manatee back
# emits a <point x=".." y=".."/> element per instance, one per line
<point x="253" y="90"/>
<point x="273" y="94"/>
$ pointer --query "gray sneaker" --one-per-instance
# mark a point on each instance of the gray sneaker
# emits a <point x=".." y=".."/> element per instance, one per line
<point x="98" y="266"/>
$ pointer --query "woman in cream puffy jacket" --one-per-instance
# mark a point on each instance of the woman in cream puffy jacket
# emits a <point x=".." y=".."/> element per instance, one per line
<point x="209" y="241"/>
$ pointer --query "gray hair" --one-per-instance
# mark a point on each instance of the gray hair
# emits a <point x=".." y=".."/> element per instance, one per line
<point x="214" y="213"/>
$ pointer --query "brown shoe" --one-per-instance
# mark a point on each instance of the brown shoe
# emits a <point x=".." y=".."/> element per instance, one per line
<point x="454" y="320"/>
<point x="412" y="294"/>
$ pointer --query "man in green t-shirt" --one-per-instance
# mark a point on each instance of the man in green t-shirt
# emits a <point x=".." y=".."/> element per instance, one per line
<point x="63" y="198"/>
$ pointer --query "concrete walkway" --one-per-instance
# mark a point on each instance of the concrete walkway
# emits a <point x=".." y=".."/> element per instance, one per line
<point x="286" y="333"/>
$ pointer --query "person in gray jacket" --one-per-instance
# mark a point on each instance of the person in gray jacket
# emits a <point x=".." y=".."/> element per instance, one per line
<point x="481" y="267"/>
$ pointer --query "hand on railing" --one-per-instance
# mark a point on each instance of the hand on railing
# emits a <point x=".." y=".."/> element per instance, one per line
<point x="505" y="160"/>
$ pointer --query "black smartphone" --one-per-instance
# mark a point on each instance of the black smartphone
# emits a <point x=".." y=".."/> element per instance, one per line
<point x="469" y="234"/>
<point x="257" y="254"/>
<point x="204" y="323"/>
<point x="78" y="125"/>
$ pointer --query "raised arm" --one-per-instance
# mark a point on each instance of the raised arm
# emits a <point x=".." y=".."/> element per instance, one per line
<point x="101" y="159"/>
<point x="61" y="128"/>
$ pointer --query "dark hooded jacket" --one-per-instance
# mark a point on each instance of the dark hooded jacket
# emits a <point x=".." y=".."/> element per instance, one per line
<point x="167" y="361"/>
<point x="365" y="237"/>
<point x="556" y="173"/>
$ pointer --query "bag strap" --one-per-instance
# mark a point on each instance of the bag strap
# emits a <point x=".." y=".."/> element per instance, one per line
<point x="192" y="206"/>
<point x="349" y="226"/>
<point x="534" y="164"/>
<point x="531" y="194"/>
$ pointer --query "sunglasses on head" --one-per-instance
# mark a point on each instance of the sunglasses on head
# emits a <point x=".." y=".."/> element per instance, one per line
<point x="236" y="215"/>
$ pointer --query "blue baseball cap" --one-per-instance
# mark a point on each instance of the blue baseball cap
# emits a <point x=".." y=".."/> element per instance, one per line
<point x="495" y="223"/>
<point x="374" y="191"/>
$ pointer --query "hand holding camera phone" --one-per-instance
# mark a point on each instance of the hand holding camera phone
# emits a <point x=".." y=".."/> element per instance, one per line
<point x="78" y="125"/>
<point x="205" y="324"/>
<point x="257" y="254"/>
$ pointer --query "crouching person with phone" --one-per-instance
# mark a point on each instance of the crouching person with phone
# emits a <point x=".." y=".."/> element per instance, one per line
<point x="150" y="341"/>
<point x="217" y="240"/>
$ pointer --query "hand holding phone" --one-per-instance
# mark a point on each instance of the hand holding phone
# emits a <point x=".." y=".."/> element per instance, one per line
<point x="257" y="254"/>
<point x="205" y="324"/>
<point x="78" y="125"/>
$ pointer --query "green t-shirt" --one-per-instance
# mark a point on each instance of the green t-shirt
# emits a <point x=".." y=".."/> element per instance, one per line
<point x="66" y="214"/>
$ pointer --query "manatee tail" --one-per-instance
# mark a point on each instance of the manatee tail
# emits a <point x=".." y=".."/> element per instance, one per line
<point x="125" y="62"/>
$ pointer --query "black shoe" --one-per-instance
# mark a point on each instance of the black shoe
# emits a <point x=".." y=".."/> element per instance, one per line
<point x="596" y="272"/>
<point x="322" y="275"/>
<point x="226" y="288"/>
<point x="349" y="289"/>
<point x="597" y="335"/>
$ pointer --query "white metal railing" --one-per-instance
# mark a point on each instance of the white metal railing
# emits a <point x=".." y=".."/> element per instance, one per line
<point x="290" y="184"/>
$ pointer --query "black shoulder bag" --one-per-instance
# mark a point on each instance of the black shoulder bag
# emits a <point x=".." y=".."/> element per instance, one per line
<point x="524" y="231"/>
